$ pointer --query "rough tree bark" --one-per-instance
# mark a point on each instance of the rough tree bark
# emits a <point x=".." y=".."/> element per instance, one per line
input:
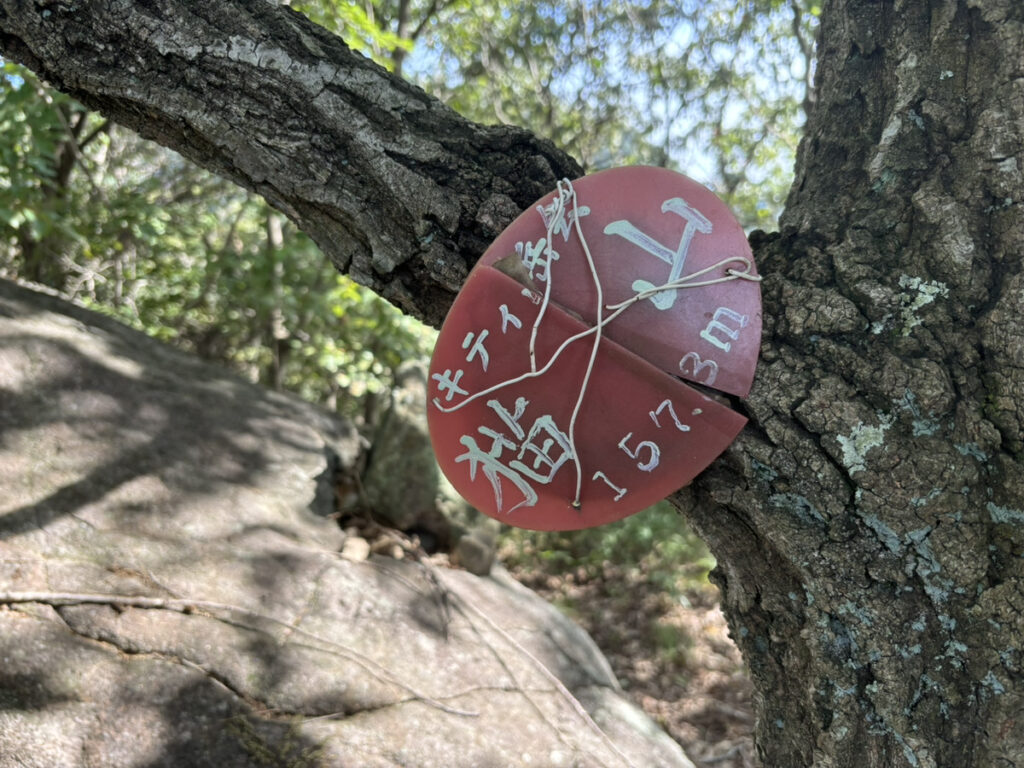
<point x="869" y="524"/>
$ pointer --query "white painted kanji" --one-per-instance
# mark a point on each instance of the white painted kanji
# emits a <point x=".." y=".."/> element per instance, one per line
<point x="675" y="258"/>
<point x="518" y="455"/>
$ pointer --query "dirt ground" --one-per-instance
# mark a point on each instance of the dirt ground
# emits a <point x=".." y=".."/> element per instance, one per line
<point x="673" y="656"/>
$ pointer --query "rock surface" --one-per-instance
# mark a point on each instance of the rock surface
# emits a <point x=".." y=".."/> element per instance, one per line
<point x="404" y="486"/>
<point x="174" y="594"/>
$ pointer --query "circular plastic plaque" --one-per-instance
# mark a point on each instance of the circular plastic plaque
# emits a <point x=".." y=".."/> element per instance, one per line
<point x="555" y="394"/>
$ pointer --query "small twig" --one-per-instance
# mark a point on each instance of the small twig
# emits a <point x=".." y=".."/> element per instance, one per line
<point x="440" y="594"/>
<point x="191" y="606"/>
<point x="306" y="606"/>
<point x="516" y="683"/>
<point x="452" y="599"/>
<point x="131" y="601"/>
<point x="455" y="600"/>
<point x="550" y="676"/>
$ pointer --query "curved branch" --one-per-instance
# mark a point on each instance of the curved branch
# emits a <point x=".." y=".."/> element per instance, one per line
<point x="397" y="189"/>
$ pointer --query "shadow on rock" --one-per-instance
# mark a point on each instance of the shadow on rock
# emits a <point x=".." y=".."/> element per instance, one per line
<point x="172" y="590"/>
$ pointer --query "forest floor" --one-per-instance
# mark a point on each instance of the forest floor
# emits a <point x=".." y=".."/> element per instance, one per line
<point x="673" y="656"/>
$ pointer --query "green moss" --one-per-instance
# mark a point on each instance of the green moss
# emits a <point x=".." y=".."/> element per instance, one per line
<point x="289" y="751"/>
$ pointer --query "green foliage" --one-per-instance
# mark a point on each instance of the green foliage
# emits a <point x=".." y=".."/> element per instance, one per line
<point x="656" y="542"/>
<point x="713" y="88"/>
<point x="361" y="26"/>
<point x="36" y="207"/>
<point x="133" y="230"/>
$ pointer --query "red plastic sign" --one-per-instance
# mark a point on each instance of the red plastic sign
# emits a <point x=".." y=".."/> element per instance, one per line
<point x="554" y="402"/>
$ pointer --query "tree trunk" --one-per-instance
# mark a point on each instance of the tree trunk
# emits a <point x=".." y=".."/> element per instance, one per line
<point x="277" y="334"/>
<point x="869" y="524"/>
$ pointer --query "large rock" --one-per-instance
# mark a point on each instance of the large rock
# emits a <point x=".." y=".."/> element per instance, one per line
<point x="405" y="487"/>
<point x="189" y="605"/>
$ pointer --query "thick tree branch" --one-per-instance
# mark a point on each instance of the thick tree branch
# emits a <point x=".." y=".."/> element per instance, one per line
<point x="397" y="189"/>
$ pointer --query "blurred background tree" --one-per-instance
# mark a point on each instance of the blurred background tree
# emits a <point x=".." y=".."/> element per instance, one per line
<point x="716" y="89"/>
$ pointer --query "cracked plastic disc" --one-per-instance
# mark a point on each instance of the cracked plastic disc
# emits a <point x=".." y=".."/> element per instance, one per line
<point x="557" y="398"/>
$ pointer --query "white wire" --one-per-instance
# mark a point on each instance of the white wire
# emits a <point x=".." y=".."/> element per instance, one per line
<point x="618" y="310"/>
<point x="686" y="281"/>
<point x="565" y="191"/>
<point x="557" y="209"/>
<point x="599" y="325"/>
